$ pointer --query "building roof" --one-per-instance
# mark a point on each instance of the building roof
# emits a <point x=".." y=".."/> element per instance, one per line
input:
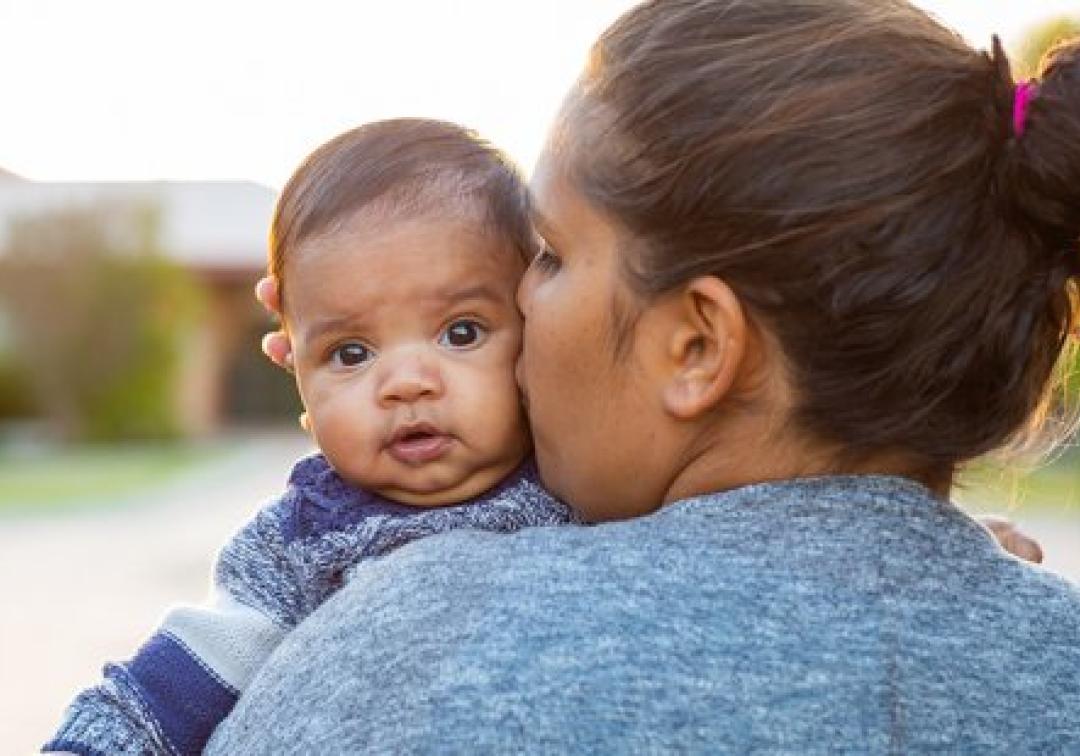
<point x="9" y="176"/>
<point x="205" y="225"/>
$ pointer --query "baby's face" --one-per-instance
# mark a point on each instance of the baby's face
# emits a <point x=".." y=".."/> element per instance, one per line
<point x="404" y="336"/>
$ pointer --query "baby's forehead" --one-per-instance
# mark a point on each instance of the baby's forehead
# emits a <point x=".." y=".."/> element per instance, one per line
<point x="445" y="198"/>
<point x="391" y="212"/>
<point x="465" y="233"/>
<point x="384" y="266"/>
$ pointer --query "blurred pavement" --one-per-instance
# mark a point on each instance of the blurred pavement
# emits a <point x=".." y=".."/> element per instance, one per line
<point x="85" y="587"/>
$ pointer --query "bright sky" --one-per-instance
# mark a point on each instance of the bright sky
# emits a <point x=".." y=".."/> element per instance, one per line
<point x="228" y="89"/>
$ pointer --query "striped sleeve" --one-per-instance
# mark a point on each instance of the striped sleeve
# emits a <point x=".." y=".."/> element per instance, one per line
<point x="186" y="678"/>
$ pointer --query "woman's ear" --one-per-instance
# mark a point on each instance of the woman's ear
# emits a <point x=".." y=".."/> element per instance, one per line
<point x="706" y="347"/>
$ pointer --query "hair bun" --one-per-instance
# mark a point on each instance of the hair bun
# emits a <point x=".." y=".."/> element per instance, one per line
<point x="1045" y="175"/>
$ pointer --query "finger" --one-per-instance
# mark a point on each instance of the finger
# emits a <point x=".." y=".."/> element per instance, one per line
<point x="1024" y="547"/>
<point x="1012" y="539"/>
<point x="268" y="294"/>
<point x="278" y="348"/>
<point x="999" y="526"/>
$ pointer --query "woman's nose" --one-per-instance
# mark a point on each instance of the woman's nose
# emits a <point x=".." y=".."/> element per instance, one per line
<point x="525" y="291"/>
<point x="410" y="379"/>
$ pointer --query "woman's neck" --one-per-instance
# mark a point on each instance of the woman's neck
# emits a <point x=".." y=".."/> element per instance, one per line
<point x="743" y="450"/>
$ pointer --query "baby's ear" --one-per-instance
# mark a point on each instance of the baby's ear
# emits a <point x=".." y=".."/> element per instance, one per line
<point x="305" y="422"/>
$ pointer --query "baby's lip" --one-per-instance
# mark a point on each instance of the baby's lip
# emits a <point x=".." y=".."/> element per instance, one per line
<point x="408" y="430"/>
<point x="417" y="443"/>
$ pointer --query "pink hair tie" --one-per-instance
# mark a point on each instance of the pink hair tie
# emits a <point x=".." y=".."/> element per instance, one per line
<point x="1025" y="93"/>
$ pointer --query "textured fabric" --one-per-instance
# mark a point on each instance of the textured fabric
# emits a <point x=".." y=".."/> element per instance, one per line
<point x="287" y="561"/>
<point x="828" y="615"/>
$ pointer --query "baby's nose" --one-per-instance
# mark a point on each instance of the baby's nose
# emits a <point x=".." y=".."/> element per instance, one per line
<point x="411" y="379"/>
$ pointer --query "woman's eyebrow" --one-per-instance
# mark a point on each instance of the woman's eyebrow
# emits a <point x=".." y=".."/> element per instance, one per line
<point x="542" y="224"/>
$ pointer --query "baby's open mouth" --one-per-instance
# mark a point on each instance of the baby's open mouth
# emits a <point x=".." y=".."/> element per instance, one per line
<point x="418" y="444"/>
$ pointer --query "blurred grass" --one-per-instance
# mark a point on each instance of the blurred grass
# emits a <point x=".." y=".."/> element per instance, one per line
<point x="62" y="478"/>
<point x="1051" y="490"/>
<point x="53" y="479"/>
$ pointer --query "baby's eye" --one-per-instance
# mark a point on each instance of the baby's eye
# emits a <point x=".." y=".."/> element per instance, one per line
<point x="351" y="354"/>
<point x="462" y="334"/>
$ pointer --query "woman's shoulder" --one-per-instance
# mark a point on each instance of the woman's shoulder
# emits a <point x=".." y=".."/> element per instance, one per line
<point x="870" y="541"/>
<point x="864" y="531"/>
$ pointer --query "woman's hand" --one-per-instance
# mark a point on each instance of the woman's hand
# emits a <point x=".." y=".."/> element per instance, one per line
<point x="1011" y="539"/>
<point x="275" y="345"/>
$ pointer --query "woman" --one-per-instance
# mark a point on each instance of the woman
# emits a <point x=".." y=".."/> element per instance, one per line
<point x="804" y="260"/>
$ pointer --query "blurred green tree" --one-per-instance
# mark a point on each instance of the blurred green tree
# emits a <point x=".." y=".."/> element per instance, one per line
<point x="16" y="395"/>
<point x="1039" y="40"/>
<point x="96" y="314"/>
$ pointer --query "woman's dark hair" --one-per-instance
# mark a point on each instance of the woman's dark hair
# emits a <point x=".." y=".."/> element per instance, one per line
<point x="850" y="168"/>
<point x="407" y="167"/>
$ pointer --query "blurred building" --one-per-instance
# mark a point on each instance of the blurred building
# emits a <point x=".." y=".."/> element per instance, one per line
<point x="217" y="231"/>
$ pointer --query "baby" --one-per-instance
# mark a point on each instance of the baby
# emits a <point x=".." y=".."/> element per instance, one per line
<point x="398" y="248"/>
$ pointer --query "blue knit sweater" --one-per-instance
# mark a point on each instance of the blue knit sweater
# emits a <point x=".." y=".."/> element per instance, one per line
<point x="282" y="565"/>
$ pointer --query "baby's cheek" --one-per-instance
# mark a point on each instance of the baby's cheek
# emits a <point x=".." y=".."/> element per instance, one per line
<point x="488" y="390"/>
<point x="516" y="426"/>
<point x="509" y="340"/>
<point x="339" y="411"/>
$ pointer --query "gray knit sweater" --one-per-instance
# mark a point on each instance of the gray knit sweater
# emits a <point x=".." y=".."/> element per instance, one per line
<point x="847" y="614"/>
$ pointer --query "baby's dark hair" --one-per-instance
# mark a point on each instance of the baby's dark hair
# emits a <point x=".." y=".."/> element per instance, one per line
<point x="405" y="167"/>
<point x="850" y="168"/>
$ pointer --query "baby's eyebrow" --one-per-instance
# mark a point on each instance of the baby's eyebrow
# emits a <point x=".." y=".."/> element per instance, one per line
<point x="320" y="328"/>
<point x="444" y="298"/>
<point x="478" y="291"/>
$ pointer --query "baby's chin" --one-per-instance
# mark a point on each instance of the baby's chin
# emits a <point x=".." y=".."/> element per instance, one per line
<point x="434" y="487"/>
